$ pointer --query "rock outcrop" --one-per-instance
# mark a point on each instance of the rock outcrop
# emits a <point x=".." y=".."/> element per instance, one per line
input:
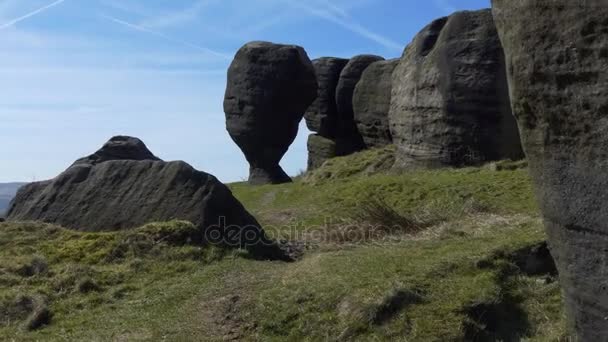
<point x="322" y="115"/>
<point x="372" y="102"/>
<point x="269" y="88"/>
<point x="348" y="139"/>
<point x="320" y="149"/>
<point x="450" y="103"/>
<point x="119" y="148"/>
<point x="557" y="57"/>
<point x="125" y="186"/>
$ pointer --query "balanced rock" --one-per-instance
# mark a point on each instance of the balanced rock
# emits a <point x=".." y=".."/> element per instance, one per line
<point x="450" y="101"/>
<point x="372" y="102"/>
<point x="320" y="149"/>
<point x="269" y="88"/>
<point x="124" y="186"/>
<point x="322" y="115"/>
<point x="557" y="53"/>
<point x="348" y="139"/>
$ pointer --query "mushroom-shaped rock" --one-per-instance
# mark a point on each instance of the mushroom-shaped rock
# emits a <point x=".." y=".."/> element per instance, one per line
<point x="450" y="101"/>
<point x="322" y="115"/>
<point x="269" y="88"/>
<point x="123" y="186"/>
<point x="557" y="53"/>
<point x="372" y="101"/>
<point x="348" y="139"/>
<point x="320" y="149"/>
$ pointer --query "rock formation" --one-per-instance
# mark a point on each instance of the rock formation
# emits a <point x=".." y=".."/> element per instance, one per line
<point x="322" y="115"/>
<point x="269" y="88"/>
<point x="372" y="101"/>
<point x="557" y="54"/>
<point x="123" y="186"/>
<point x="119" y="148"/>
<point x="348" y="139"/>
<point x="320" y="149"/>
<point x="450" y="104"/>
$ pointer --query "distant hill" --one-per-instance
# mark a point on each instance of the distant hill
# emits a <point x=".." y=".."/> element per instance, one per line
<point x="7" y="192"/>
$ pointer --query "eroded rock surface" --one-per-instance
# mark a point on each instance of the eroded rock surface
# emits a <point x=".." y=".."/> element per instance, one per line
<point x="269" y="88"/>
<point x="372" y="102"/>
<point x="450" y="103"/>
<point x="348" y="139"/>
<point x="557" y="57"/>
<point x="124" y="186"/>
<point x="322" y="115"/>
<point x="320" y="149"/>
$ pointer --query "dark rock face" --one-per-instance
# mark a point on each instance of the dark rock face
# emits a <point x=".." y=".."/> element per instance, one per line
<point x="322" y="115"/>
<point x="535" y="260"/>
<point x="450" y="103"/>
<point x="121" y="193"/>
<point x="557" y="57"/>
<point x="119" y="148"/>
<point x="270" y="86"/>
<point x="348" y="139"/>
<point x="320" y="149"/>
<point x="372" y="102"/>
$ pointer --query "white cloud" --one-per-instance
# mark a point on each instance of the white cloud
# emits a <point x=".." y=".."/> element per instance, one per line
<point x="14" y="21"/>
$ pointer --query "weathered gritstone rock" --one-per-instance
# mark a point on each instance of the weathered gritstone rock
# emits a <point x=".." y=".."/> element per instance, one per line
<point x="133" y="188"/>
<point x="372" y="102"/>
<point x="269" y="88"/>
<point x="322" y="115"/>
<point x="119" y="148"/>
<point x="557" y="57"/>
<point x="348" y="139"/>
<point x="450" y="103"/>
<point x="320" y="149"/>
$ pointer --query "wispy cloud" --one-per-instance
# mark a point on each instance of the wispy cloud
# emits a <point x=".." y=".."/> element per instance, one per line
<point x="178" y="18"/>
<point x="168" y="38"/>
<point x="29" y="15"/>
<point x="340" y="17"/>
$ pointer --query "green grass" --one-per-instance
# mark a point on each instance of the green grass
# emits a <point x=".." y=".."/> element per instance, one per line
<point x="308" y="206"/>
<point x="453" y="281"/>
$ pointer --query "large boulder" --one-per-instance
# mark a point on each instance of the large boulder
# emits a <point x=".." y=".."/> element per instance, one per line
<point x="125" y="186"/>
<point x="557" y="57"/>
<point x="269" y="88"/>
<point x="348" y="139"/>
<point x="322" y="115"/>
<point x="320" y="149"/>
<point x="450" y="102"/>
<point x="372" y="102"/>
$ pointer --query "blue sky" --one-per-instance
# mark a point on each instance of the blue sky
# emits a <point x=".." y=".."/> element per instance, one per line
<point x="73" y="73"/>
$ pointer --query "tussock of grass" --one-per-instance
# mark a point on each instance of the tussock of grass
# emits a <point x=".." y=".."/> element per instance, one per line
<point x="31" y="312"/>
<point x="377" y="214"/>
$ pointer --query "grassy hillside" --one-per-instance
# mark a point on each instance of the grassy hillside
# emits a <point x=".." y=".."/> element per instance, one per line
<point x="420" y="256"/>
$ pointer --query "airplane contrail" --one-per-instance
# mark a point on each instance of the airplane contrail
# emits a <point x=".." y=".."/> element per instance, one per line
<point x="166" y="37"/>
<point x="31" y="14"/>
<point x="332" y="14"/>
